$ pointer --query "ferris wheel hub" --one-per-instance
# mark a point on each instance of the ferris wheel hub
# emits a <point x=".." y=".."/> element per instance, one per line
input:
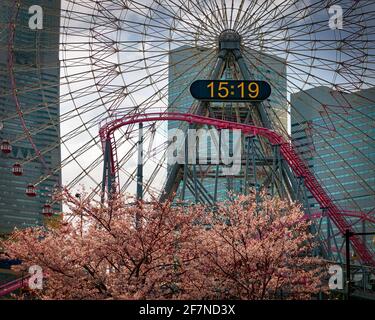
<point x="229" y="39"/>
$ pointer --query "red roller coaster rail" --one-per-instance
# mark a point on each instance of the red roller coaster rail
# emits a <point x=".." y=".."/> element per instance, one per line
<point x="13" y="285"/>
<point x="288" y="152"/>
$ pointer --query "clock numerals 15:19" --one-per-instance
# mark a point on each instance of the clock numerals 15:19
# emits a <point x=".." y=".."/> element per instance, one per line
<point x="252" y="90"/>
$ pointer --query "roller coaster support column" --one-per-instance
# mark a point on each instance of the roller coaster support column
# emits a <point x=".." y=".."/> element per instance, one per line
<point x="191" y="159"/>
<point x="304" y="196"/>
<point x="185" y="177"/>
<point x="247" y="164"/>
<point x="217" y="167"/>
<point x="140" y="164"/>
<point x="301" y="194"/>
<point x="347" y="249"/>
<point x="280" y="163"/>
<point x="329" y="229"/>
<point x="256" y="187"/>
<point x="274" y="163"/>
<point x="108" y="172"/>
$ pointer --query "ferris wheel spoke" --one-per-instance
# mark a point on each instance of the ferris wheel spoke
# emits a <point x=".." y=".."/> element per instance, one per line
<point x="202" y="26"/>
<point x="292" y="15"/>
<point x="173" y="15"/>
<point x="248" y="14"/>
<point x="261" y="13"/>
<point x="155" y="94"/>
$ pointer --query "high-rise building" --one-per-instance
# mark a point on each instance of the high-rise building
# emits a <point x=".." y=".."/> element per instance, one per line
<point x="36" y="71"/>
<point x="333" y="133"/>
<point x="187" y="64"/>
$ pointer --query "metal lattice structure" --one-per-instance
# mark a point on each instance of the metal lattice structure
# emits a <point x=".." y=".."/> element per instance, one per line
<point x="123" y="59"/>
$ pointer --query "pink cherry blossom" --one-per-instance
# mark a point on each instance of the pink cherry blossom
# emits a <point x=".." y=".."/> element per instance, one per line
<point x="243" y="249"/>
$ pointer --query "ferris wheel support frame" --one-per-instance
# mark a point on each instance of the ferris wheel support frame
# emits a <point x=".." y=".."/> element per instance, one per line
<point x="229" y="44"/>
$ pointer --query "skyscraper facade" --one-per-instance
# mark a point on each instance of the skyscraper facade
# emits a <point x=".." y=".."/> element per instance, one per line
<point x="29" y="107"/>
<point x="333" y="133"/>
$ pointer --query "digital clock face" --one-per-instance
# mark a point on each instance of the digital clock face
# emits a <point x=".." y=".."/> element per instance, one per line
<point x="230" y="90"/>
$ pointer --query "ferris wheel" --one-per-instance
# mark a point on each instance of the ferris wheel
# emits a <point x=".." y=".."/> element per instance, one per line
<point x="123" y="59"/>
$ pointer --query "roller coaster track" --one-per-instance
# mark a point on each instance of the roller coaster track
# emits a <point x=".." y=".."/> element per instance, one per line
<point x="13" y="285"/>
<point x="288" y="152"/>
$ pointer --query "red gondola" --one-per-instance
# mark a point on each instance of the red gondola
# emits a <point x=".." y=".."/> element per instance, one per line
<point x="17" y="169"/>
<point x="6" y="146"/>
<point x="31" y="190"/>
<point x="47" y="210"/>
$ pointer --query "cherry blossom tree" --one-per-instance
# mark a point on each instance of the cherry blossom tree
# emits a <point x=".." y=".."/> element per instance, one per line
<point x="257" y="248"/>
<point x="243" y="249"/>
<point x="112" y="256"/>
